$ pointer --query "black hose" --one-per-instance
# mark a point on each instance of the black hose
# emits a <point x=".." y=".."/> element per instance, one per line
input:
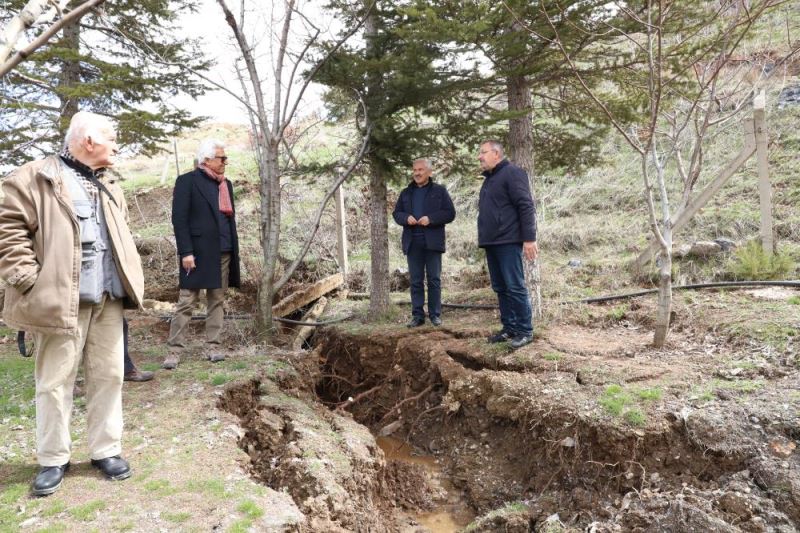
<point x="597" y="299"/>
<point x="695" y="286"/>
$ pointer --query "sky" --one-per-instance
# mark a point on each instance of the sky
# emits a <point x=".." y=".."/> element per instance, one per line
<point x="218" y="44"/>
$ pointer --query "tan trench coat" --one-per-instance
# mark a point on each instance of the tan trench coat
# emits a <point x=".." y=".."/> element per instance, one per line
<point x="40" y="252"/>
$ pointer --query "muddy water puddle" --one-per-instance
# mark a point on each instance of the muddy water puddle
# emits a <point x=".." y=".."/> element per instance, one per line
<point x="451" y="512"/>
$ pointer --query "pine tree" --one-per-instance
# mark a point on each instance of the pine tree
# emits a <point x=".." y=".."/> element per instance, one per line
<point x="405" y="83"/>
<point x="121" y="61"/>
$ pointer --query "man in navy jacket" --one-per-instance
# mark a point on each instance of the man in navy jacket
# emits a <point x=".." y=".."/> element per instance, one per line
<point x="423" y="209"/>
<point x="507" y="231"/>
<point x="204" y="221"/>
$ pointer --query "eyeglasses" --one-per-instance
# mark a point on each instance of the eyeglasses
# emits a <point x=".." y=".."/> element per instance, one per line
<point x="222" y="158"/>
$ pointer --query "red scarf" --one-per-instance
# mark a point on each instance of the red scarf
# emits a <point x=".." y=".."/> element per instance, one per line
<point x="225" y="205"/>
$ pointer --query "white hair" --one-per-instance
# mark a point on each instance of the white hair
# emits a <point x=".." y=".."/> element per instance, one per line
<point x="424" y="160"/>
<point x="85" y="124"/>
<point x="208" y="149"/>
<point x="495" y="145"/>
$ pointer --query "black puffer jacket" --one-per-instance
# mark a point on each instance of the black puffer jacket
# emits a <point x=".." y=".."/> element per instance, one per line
<point x="506" y="212"/>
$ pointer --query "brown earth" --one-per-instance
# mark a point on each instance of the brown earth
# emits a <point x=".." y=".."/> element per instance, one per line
<point x="695" y="444"/>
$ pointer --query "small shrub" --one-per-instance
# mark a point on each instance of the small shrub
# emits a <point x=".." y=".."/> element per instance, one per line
<point x="751" y="263"/>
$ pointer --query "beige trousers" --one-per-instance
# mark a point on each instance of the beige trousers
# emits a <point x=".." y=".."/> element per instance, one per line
<point x="187" y="298"/>
<point x="99" y="345"/>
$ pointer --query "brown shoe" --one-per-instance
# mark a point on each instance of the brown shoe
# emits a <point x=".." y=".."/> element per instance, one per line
<point x="171" y="362"/>
<point x="139" y="375"/>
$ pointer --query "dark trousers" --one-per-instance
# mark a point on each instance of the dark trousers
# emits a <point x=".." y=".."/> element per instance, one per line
<point x="508" y="281"/>
<point x="424" y="263"/>
<point x="129" y="366"/>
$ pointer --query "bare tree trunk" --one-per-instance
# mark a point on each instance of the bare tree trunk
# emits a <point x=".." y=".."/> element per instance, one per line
<point x="379" y="240"/>
<point x="664" y="310"/>
<point x="70" y="77"/>
<point x="270" y="192"/>
<point x="520" y="151"/>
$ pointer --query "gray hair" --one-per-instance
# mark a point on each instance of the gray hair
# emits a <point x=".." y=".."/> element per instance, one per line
<point x="424" y="160"/>
<point x="208" y="149"/>
<point x="85" y="124"/>
<point x="496" y="145"/>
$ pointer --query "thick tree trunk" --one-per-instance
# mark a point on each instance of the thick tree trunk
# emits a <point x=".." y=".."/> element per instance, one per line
<point x="70" y="78"/>
<point x="379" y="242"/>
<point x="378" y="231"/>
<point x="520" y="151"/>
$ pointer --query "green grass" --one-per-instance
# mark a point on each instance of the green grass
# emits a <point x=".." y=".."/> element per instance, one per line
<point x="250" y="509"/>
<point x="635" y="417"/>
<point x="220" y="379"/>
<point x="160" y="487"/>
<point x="212" y="487"/>
<point x="241" y="526"/>
<point x="746" y="386"/>
<point x="87" y="511"/>
<point x="649" y="395"/>
<point x="794" y="300"/>
<point x="552" y="356"/>
<point x="619" y="402"/>
<point x="18" y="391"/>
<point x="176" y="518"/>
<point x="53" y="508"/>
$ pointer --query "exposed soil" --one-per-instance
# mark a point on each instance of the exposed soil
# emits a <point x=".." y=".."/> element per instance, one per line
<point x="695" y="444"/>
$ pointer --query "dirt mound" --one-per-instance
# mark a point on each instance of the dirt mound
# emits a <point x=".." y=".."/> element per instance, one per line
<point x="517" y="427"/>
<point x="331" y="465"/>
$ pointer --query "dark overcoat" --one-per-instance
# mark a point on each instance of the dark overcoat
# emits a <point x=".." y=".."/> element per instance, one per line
<point x="195" y="220"/>
<point x="438" y="208"/>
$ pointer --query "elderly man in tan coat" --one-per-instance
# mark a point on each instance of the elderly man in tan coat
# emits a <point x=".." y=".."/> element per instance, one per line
<point x="71" y="265"/>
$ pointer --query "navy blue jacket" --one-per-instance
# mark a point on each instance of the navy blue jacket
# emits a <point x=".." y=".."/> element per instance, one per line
<point x="195" y="211"/>
<point x="438" y="208"/>
<point x="506" y="213"/>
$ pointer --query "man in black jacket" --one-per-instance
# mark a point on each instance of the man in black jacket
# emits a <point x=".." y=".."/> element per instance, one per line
<point x="507" y="231"/>
<point x="204" y="221"/>
<point x="423" y="209"/>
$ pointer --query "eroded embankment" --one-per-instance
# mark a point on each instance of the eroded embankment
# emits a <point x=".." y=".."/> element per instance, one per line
<point x="509" y="431"/>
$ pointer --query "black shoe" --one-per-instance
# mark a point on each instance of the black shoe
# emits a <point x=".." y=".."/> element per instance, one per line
<point x="520" y="340"/>
<point x="415" y="322"/>
<point x="500" y="336"/>
<point x="436" y="321"/>
<point x="49" y="479"/>
<point x="139" y="375"/>
<point x="115" y="468"/>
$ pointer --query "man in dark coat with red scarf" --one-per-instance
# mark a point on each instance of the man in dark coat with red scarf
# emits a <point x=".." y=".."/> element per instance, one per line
<point x="204" y="221"/>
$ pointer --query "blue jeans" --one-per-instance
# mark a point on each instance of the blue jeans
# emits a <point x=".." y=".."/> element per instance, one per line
<point x="422" y="263"/>
<point x="508" y="281"/>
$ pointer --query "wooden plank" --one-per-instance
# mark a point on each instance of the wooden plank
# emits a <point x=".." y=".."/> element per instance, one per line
<point x="304" y="332"/>
<point x="764" y="185"/>
<point x="298" y="299"/>
<point x="680" y="218"/>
